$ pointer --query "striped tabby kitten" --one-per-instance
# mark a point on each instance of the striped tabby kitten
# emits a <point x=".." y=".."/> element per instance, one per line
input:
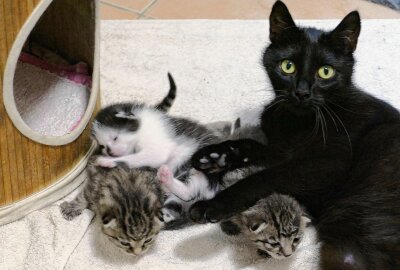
<point x="275" y="224"/>
<point x="128" y="202"/>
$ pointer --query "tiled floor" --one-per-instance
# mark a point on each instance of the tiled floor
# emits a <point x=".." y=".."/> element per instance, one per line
<point x="238" y="9"/>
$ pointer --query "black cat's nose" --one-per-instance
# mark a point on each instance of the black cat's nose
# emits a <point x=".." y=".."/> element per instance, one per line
<point x="302" y="95"/>
<point x="302" y="91"/>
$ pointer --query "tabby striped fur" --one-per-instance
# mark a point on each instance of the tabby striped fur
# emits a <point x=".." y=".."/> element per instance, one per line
<point x="128" y="202"/>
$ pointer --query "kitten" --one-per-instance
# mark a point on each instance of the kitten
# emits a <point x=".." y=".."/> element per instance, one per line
<point x="128" y="202"/>
<point x="332" y="146"/>
<point x="114" y="125"/>
<point x="275" y="224"/>
<point x="193" y="185"/>
<point x="140" y="135"/>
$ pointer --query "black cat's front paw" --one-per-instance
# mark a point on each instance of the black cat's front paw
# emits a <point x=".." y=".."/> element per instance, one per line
<point x="216" y="158"/>
<point x="206" y="211"/>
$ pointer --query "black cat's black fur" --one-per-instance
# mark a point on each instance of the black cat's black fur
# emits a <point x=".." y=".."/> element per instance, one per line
<point x="331" y="146"/>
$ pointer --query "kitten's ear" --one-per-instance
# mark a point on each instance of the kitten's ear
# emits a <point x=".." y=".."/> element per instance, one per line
<point x="109" y="220"/>
<point x="345" y="36"/>
<point x="280" y="21"/>
<point x="254" y="224"/>
<point x="306" y="220"/>
<point x="159" y="219"/>
<point x="257" y="227"/>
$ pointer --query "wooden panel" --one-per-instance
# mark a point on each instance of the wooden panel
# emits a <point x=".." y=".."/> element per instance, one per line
<point x="27" y="167"/>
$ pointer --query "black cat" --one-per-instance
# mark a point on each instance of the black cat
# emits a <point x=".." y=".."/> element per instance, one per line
<point x="331" y="146"/>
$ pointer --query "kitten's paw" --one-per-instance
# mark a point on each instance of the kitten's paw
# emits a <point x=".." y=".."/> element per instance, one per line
<point x="70" y="210"/>
<point x="263" y="254"/>
<point x="215" y="158"/>
<point x="107" y="162"/>
<point x="206" y="211"/>
<point x="165" y="175"/>
<point x="229" y="227"/>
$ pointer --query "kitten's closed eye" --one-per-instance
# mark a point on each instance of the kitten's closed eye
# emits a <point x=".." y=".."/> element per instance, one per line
<point x="148" y="240"/>
<point x="274" y="245"/>
<point x="126" y="244"/>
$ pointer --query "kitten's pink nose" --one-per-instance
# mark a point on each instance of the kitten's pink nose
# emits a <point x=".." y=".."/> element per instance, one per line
<point x="286" y="254"/>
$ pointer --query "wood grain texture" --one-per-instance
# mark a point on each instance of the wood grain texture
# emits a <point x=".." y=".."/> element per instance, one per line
<point x="68" y="27"/>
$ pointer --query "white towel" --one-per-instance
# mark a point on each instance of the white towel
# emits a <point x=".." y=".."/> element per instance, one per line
<point x="217" y="68"/>
<point x="41" y="240"/>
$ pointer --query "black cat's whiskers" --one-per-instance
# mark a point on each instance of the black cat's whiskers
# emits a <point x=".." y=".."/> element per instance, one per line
<point x="276" y="102"/>
<point x="314" y="133"/>
<point x="344" y="127"/>
<point x="331" y="102"/>
<point x="323" y="124"/>
<point x="330" y="114"/>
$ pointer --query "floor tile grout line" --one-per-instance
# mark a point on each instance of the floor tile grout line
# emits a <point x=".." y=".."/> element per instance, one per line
<point x="136" y="12"/>
<point x="147" y="8"/>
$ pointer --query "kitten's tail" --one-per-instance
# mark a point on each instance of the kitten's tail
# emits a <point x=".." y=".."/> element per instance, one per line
<point x="167" y="102"/>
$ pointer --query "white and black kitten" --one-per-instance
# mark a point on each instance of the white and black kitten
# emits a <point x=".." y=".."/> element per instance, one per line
<point x="275" y="224"/>
<point x="141" y="135"/>
<point x="127" y="201"/>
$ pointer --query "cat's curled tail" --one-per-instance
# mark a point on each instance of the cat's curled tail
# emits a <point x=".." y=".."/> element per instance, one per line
<point x="167" y="102"/>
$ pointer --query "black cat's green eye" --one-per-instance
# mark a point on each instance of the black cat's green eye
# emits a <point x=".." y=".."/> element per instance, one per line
<point x="326" y="72"/>
<point x="288" y="66"/>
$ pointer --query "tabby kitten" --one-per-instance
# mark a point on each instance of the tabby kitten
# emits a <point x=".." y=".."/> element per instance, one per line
<point x="331" y="146"/>
<point x="128" y="202"/>
<point x="275" y="224"/>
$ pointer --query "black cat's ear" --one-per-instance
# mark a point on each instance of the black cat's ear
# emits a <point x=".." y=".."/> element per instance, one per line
<point x="344" y="37"/>
<point x="280" y="21"/>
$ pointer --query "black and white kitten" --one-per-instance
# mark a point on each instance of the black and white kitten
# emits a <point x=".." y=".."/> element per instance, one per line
<point x="127" y="201"/>
<point x="144" y="136"/>
<point x="331" y="146"/>
<point x="275" y="224"/>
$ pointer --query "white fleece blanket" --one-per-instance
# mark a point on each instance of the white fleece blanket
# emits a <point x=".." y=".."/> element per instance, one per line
<point x="216" y="65"/>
